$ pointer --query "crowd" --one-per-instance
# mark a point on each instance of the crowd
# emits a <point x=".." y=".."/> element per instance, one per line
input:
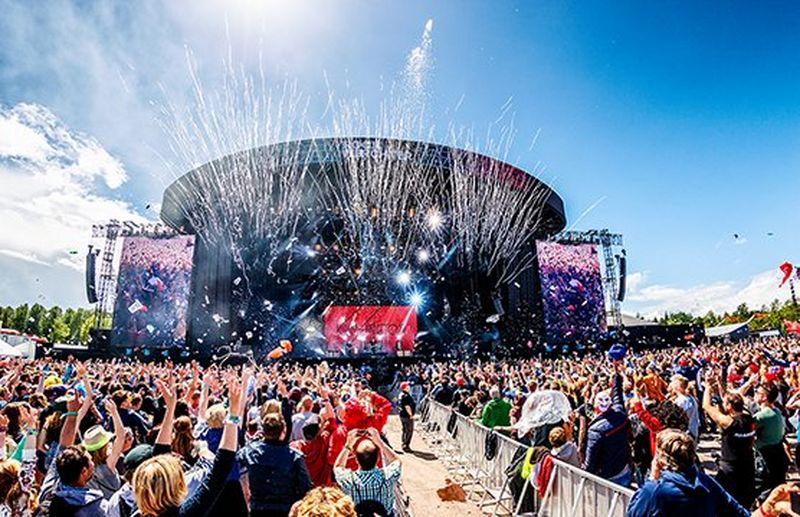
<point x="126" y="438"/>
<point x="123" y="438"/>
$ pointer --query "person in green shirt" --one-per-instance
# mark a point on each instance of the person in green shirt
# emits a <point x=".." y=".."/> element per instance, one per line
<point x="496" y="412"/>
<point x="771" y="461"/>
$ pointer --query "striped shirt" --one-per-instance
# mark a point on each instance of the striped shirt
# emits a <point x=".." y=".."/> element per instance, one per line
<point x="375" y="484"/>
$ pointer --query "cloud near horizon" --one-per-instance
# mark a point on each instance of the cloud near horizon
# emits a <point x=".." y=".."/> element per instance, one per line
<point x="653" y="300"/>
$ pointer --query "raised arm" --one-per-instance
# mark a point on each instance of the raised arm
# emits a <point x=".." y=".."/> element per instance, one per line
<point x="119" y="435"/>
<point x="713" y="412"/>
<point x="387" y="452"/>
<point x="169" y="393"/>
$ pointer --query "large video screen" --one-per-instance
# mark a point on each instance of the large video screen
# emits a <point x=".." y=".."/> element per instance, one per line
<point x="572" y="292"/>
<point x="370" y="329"/>
<point x="153" y="292"/>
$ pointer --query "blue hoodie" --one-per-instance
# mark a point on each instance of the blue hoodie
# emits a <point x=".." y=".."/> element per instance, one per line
<point x="686" y="495"/>
<point x="78" y="502"/>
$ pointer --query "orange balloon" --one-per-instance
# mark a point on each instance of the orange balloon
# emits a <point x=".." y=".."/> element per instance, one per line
<point x="286" y="344"/>
<point x="276" y="353"/>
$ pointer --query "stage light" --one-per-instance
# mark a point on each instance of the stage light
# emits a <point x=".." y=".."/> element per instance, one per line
<point x="423" y="255"/>
<point x="403" y="278"/>
<point x="416" y="300"/>
<point x="310" y="252"/>
<point x="434" y="219"/>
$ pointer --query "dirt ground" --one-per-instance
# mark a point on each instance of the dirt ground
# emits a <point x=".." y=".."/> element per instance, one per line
<point x="422" y="475"/>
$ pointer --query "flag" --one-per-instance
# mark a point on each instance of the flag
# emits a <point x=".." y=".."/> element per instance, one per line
<point x="787" y="269"/>
<point x="792" y="327"/>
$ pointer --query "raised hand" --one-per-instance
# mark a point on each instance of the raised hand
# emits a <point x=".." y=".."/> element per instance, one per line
<point x="168" y="390"/>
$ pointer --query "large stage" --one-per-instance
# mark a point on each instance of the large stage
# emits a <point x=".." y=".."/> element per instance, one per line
<point x="350" y="247"/>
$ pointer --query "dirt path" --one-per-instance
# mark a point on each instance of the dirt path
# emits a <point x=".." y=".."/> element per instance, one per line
<point x="423" y="474"/>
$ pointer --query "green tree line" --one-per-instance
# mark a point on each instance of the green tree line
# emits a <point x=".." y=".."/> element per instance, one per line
<point x="767" y="317"/>
<point x="55" y="324"/>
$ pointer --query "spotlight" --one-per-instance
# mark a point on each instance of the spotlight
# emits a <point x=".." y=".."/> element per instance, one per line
<point x="416" y="299"/>
<point x="423" y="255"/>
<point x="403" y="278"/>
<point x="434" y="219"/>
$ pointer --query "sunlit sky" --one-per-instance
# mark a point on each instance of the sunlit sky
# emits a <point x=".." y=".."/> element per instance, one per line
<point x="676" y="124"/>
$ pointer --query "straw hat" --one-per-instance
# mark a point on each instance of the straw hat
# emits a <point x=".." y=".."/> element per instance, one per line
<point x="96" y="438"/>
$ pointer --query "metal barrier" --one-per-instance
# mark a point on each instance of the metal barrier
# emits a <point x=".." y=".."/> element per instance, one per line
<point x="460" y="443"/>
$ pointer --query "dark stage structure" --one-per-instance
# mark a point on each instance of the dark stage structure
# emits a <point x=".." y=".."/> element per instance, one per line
<point x="222" y="310"/>
<point x="304" y="248"/>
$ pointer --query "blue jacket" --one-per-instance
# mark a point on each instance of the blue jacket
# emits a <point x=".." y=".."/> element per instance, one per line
<point x="77" y="502"/>
<point x="685" y="495"/>
<point x="277" y="475"/>
<point x="608" y="449"/>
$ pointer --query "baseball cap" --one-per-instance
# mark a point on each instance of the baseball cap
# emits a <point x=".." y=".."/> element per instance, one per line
<point x="137" y="456"/>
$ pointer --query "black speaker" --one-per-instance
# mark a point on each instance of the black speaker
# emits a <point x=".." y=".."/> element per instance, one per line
<point x="91" y="284"/>
<point x="622" y="272"/>
<point x="99" y="340"/>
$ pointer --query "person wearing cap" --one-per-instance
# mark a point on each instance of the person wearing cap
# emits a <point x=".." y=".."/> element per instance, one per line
<point x="408" y="409"/>
<point x="123" y="502"/>
<point x="608" y="450"/>
<point x="130" y="418"/>
<point x="105" y="453"/>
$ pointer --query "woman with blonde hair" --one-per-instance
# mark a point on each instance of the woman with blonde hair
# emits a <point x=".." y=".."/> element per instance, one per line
<point x="159" y="484"/>
<point x="324" y="502"/>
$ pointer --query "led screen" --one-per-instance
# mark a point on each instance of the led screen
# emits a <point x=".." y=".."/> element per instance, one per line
<point x="357" y="330"/>
<point x="153" y="292"/>
<point x="572" y="292"/>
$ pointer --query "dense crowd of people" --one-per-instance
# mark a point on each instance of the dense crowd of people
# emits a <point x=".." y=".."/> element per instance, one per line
<point x="125" y="438"/>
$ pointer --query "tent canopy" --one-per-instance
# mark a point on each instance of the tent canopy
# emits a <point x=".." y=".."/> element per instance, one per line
<point x="7" y="350"/>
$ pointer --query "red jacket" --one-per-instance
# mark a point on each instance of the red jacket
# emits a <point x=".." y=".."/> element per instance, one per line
<point x="316" y="454"/>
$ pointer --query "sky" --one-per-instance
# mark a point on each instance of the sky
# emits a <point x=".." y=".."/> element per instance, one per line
<point x="675" y="124"/>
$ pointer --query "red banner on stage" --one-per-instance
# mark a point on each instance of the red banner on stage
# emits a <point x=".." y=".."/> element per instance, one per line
<point x="361" y="327"/>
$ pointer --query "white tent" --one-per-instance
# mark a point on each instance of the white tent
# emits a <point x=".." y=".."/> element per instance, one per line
<point x="27" y="349"/>
<point x="7" y="350"/>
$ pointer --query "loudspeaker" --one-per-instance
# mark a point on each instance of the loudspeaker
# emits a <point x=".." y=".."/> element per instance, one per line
<point x="622" y="272"/>
<point x="91" y="284"/>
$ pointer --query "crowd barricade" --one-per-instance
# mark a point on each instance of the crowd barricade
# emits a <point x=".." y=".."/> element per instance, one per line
<point x="461" y="444"/>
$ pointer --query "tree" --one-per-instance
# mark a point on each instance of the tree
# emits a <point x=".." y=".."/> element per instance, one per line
<point x="35" y="319"/>
<point x="21" y="317"/>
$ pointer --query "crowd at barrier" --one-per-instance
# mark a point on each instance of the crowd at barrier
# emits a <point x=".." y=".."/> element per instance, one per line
<point x="620" y="421"/>
<point x="552" y="436"/>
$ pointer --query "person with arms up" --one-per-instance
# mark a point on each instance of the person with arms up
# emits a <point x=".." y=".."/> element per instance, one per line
<point x="370" y="487"/>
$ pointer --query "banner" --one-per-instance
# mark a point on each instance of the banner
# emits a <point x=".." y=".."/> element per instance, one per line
<point x="362" y="329"/>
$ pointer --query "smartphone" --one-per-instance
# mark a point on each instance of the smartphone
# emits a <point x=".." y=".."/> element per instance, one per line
<point x="795" y="500"/>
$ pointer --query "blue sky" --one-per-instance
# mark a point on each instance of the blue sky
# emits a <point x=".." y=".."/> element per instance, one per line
<point x="677" y="121"/>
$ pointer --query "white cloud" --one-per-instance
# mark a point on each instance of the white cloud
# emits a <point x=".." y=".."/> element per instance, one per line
<point x="53" y="184"/>
<point x="654" y="299"/>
